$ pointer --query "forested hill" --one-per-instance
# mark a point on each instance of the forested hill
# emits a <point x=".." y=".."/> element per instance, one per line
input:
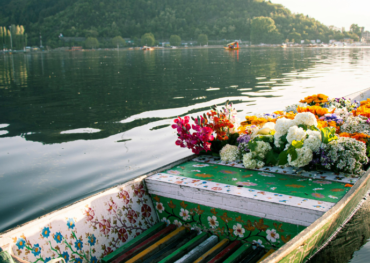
<point x="219" y="19"/>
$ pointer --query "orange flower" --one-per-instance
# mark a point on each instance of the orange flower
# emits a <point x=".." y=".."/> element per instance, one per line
<point x="317" y="110"/>
<point x="365" y="102"/>
<point x="322" y="124"/>
<point x="358" y="136"/>
<point x="317" y="100"/>
<point x="363" y="111"/>
<point x="279" y="112"/>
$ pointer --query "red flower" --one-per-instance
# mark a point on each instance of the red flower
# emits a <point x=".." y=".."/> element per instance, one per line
<point x="131" y="216"/>
<point x="146" y="210"/>
<point x="125" y="196"/>
<point x="104" y="226"/>
<point x="139" y="190"/>
<point x="107" y="251"/>
<point x="89" y="213"/>
<point x="122" y="235"/>
<point x="112" y="207"/>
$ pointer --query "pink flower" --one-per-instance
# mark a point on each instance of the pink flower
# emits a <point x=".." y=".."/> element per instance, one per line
<point x="122" y="235"/>
<point x="112" y="207"/>
<point x="146" y="210"/>
<point x="125" y="196"/>
<point x="139" y="190"/>
<point x="131" y="216"/>
<point x="89" y="213"/>
<point x="104" y="226"/>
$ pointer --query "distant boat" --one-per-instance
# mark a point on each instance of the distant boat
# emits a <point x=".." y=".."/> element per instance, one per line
<point x="147" y="48"/>
<point x="284" y="46"/>
<point x="232" y="46"/>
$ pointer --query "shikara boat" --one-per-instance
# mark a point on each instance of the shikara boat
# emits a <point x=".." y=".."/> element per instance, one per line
<point x="198" y="209"/>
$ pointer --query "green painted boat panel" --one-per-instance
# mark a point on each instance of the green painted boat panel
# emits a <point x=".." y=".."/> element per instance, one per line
<point x="293" y="185"/>
<point x="225" y="224"/>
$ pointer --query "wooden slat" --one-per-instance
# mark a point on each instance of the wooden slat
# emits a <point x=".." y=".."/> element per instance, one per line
<point x="240" y="253"/>
<point x="213" y="251"/>
<point x="185" y="248"/>
<point x="199" y="250"/>
<point x="143" y="245"/>
<point x="134" y="242"/>
<point x="172" y="237"/>
<point x="266" y="255"/>
<point x="163" y="253"/>
<point x="254" y="256"/>
<point x="220" y="257"/>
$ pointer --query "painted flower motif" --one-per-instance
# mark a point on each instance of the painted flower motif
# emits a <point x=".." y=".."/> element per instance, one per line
<point x="107" y="251"/>
<point x="36" y="250"/>
<point x="317" y="195"/>
<point x="71" y="223"/>
<point x="173" y="172"/>
<point x="124" y="196"/>
<point x="146" y="210"/>
<point x="227" y="172"/>
<point x="184" y="214"/>
<point x="58" y="237"/>
<point x="273" y="188"/>
<point x="131" y="216"/>
<point x="92" y="239"/>
<point x="112" y="206"/>
<point x="212" y="221"/>
<point x="45" y="232"/>
<point x="322" y="182"/>
<point x="238" y="230"/>
<point x="246" y="183"/>
<point x="166" y="221"/>
<point x="21" y="243"/>
<point x="122" y="235"/>
<point x="159" y="207"/>
<point x="333" y="197"/>
<point x="177" y="223"/>
<point x="266" y="174"/>
<point x="317" y="189"/>
<point x="104" y="226"/>
<point x="259" y="242"/>
<point x="65" y="255"/>
<point x="78" y="244"/>
<point x="89" y="213"/>
<point x="46" y="260"/>
<point x="195" y="171"/>
<point x="272" y="235"/>
<point x="216" y="188"/>
<point x="235" y="179"/>
<point x="77" y="260"/>
<point x="93" y="260"/>
<point x="200" y="165"/>
<point x="139" y="190"/>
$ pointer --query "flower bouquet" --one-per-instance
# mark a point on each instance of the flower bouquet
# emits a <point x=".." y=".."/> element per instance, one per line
<point x="318" y="133"/>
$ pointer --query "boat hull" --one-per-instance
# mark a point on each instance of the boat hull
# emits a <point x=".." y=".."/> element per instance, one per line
<point x="227" y="48"/>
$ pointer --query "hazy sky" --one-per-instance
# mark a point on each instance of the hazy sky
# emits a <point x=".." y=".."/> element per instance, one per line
<point x="339" y="13"/>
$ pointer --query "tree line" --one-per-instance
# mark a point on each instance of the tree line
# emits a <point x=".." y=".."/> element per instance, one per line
<point x="254" y="20"/>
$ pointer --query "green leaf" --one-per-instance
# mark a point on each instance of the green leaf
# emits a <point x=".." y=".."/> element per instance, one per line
<point x="252" y="145"/>
<point x="293" y="153"/>
<point x="272" y="157"/>
<point x="297" y="144"/>
<point x="313" y="128"/>
<point x="303" y="126"/>
<point x="283" y="158"/>
<point x="328" y="135"/>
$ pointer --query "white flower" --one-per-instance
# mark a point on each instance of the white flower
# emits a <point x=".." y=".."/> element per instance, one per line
<point x="305" y="156"/>
<point x="166" y="221"/>
<point x="272" y="235"/>
<point x="212" y="221"/>
<point x="295" y="134"/>
<point x="281" y="128"/>
<point x="313" y="141"/>
<point x="159" y="207"/>
<point x="184" y="214"/>
<point x="306" y="118"/>
<point x="248" y="161"/>
<point x="229" y="153"/>
<point x="177" y="223"/>
<point x="260" y="164"/>
<point x="238" y="230"/>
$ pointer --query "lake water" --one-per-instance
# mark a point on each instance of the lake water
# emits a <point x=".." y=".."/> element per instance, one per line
<point x="75" y="123"/>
